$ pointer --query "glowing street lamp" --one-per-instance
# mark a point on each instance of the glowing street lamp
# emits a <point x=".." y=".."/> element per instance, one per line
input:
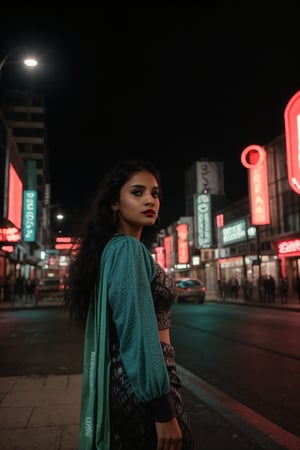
<point x="29" y="61"/>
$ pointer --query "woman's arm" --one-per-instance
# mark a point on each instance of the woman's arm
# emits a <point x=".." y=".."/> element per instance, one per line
<point x="130" y="271"/>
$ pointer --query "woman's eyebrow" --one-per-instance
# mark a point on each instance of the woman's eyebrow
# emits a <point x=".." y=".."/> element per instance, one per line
<point x="143" y="186"/>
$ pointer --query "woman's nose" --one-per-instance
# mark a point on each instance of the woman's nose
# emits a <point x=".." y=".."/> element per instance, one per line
<point x="149" y="199"/>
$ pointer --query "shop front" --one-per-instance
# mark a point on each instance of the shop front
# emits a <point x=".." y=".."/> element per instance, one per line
<point x="289" y="257"/>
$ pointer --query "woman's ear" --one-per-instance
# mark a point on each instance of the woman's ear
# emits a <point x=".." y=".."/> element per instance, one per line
<point x="115" y="207"/>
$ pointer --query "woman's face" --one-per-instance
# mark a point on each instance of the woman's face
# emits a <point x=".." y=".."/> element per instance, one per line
<point x="139" y="203"/>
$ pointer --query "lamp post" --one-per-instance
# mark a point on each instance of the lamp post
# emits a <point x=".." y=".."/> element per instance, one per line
<point x="44" y="223"/>
<point x="28" y="60"/>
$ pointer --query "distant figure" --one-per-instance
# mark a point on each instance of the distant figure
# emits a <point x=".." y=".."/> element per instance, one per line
<point x="271" y="298"/>
<point x="7" y="290"/>
<point x="298" y="288"/>
<point x="247" y="287"/>
<point x="283" y="289"/>
<point x="269" y="289"/>
<point x="234" y="287"/>
<point x="20" y="288"/>
<point x="222" y="289"/>
<point x="30" y="289"/>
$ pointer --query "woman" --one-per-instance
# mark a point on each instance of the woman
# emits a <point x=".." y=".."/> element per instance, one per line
<point x="122" y="298"/>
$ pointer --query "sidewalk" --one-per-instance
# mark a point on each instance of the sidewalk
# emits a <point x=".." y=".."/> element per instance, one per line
<point x="42" y="412"/>
<point x="292" y="304"/>
<point x="30" y="304"/>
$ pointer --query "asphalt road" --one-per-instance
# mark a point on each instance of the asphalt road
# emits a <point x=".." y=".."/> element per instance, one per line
<point x="239" y="367"/>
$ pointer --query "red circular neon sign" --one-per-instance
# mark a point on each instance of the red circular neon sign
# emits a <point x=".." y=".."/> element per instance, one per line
<point x="252" y="156"/>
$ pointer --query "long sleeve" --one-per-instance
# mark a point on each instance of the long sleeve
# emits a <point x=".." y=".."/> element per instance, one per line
<point x="130" y="268"/>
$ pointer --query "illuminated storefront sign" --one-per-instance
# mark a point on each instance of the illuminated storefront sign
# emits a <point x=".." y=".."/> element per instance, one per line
<point x="254" y="159"/>
<point x="66" y="243"/>
<point x="183" y="243"/>
<point x="234" y="232"/>
<point x="160" y="256"/>
<point x="15" y="191"/>
<point x="29" y="216"/>
<point x="203" y="220"/>
<point x="289" y="248"/>
<point x="292" y="136"/>
<point x="168" y="244"/>
<point x="220" y="220"/>
<point x="10" y="235"/>
<point x="8" y="248"/>
<point x="237" y="232"/>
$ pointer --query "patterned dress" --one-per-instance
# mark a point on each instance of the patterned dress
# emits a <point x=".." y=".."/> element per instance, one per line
<point x="131" y="424"/>
<point x="129" y="375"/>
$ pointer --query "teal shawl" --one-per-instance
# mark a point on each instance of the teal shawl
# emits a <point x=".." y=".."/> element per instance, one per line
<point x="94" y="421"/>
<point x="126" y="271"/>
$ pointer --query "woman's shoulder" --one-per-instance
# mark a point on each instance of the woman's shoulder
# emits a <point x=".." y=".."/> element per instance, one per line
<point x="124" y="242"/>
<point x="123" y="239"/>
<point x="126" y="251"/>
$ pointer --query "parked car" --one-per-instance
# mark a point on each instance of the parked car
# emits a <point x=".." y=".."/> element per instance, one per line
<point x="49" y="288"/>
<point x="190" y="289"/>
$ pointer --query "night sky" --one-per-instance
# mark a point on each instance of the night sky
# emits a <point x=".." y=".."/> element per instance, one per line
<point x="171" y="84"/>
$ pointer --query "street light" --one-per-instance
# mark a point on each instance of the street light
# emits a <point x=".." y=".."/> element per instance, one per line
<point x="29" y="61"/>
<point x="44" y="224"/>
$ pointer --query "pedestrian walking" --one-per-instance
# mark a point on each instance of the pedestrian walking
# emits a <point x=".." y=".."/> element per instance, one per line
<point x="122" y="298"/>
<point x="283" y="289"/>
<point x="298" y="287"/>
<point x="7" y="290"/>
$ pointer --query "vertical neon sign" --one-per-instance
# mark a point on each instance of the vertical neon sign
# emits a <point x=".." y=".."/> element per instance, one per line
<point x="254" y="159"/>
<point x="29" y="215"/>
<point x="183" y="245"/>
<point x="15" y="194"/>
<point x="160" y="256"/>
<point x="167" y="245"/>
<point x="292" y="136"/>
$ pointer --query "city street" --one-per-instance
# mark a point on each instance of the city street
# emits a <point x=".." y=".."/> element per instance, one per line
<point x="234" y="362"/>
<point x="251" y="354"/>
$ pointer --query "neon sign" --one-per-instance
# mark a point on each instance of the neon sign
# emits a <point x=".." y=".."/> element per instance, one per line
<point x="203" y="220"/>
<point x="160" y="256"/>
<point x="292" y="136"/>
<point x="254" y="159"/>
<point x="235" y="232"/>
<point x="289" y="248"/>
<point x="168" y="246"/>
<point x="182" y="242"/>
<point x="15" y="195"/>
<point x="29" y="215"/>
<point x="10" y="235"/>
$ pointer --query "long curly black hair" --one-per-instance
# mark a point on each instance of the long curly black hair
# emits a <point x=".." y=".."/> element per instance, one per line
<point x="97" y="229"/>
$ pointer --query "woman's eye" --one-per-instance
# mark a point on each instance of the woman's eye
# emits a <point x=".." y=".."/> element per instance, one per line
<point x="155" y="194"/>
<point x="137" y="193"/>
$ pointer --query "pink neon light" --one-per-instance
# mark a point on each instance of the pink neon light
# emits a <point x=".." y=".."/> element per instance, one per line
<point x="291" y="248"/>
<point x="220" y="220"/>
<point x="183" y="245"/>
<point x="15" y="194"/>
<point x="160" y="256"/>
<point x="254" y="159"/>
<point x="292" y="136"/>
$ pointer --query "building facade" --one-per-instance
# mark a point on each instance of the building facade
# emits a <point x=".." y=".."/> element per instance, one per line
<point x="224" y="246"/>
<point x="25" y="192"/>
